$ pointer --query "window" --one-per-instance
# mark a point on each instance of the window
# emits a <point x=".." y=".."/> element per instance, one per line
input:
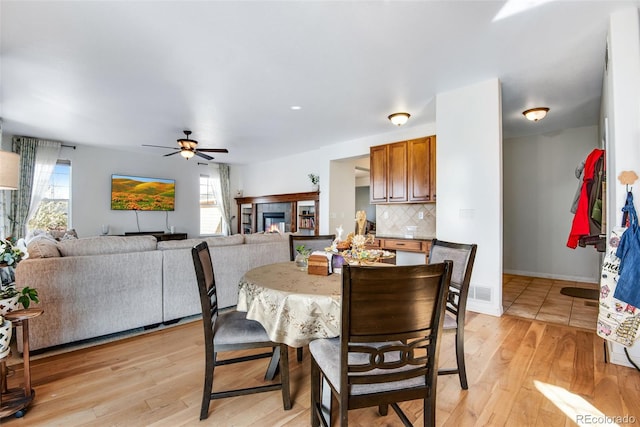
<point x="210" y="209"/>
<point x="54" y="210"/>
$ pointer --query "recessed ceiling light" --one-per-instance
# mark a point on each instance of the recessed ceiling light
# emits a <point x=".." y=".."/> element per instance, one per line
<point x="296" y="107"/>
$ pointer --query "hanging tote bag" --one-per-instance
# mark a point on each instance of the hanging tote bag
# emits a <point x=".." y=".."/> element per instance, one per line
<point x="618" y="321"/>
<point x="628" y="287"/>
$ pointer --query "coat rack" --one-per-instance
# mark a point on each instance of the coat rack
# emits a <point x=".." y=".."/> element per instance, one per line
<point x="627" y="178"/>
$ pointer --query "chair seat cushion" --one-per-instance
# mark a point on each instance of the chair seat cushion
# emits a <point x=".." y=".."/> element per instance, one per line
<point x="326" y="353"/>
<point x="233" y="327"/>
<point x="449" y="321"/>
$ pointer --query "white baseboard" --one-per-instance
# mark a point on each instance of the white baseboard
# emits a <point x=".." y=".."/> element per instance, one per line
<point x="554" y="276"/>
<point x="484" y="308"/>
<point x="617" y="356"/>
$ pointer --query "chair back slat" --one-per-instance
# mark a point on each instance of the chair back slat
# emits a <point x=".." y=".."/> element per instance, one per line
<point x="463" y="257"/>
<point x="391" y="319"/>
<point x="314" y="243"/>
<point x="206" y="287"/>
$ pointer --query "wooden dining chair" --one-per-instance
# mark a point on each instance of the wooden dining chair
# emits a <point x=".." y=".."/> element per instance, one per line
<point x="313" y="243"/>
<point x="231" y="331"/>
<point x="388" y="348"/>
<point x="463" y="256"/>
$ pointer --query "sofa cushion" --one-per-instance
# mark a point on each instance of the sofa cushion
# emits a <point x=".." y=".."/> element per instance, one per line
<point x="102" y="245"/>
<point x="265" y="237"/>
<point x="236" y="239"/>
<point x="43" y="247"/>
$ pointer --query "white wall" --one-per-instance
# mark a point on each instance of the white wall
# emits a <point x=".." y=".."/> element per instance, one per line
<point x="289" y="174"/>
<point x="91" y="170"/>
<point x="469" y="178"/>
<point x="621" y="109"/>
<point x="539" y="187"/>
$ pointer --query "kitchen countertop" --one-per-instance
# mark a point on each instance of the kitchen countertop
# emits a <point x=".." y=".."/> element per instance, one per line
<point x="402" y="237"/>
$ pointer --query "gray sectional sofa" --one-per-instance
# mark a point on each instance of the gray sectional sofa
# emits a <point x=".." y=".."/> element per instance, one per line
<point x="97" y="286"/>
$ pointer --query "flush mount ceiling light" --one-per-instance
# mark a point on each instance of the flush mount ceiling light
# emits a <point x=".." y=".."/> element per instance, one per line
<point x="399" y="119"/>
<point x="535" y="114"/>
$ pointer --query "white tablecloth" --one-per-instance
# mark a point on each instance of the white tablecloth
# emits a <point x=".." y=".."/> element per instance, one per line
<point x="293" y="306"/>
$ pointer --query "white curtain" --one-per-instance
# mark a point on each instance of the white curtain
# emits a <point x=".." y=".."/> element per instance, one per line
<point x="46" y="157"/>
<point x="225" y="198"/>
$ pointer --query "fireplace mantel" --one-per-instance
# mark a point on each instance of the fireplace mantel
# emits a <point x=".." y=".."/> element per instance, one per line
<point x="293" y="198"/>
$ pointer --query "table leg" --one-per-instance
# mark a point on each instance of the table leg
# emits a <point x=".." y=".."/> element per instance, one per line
<point x="274" y="364"/>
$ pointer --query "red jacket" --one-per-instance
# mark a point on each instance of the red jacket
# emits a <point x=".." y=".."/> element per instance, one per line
<point x="580" y="226"/>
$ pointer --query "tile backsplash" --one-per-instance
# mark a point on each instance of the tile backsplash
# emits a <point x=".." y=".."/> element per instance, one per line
<point x="392" y="220"/>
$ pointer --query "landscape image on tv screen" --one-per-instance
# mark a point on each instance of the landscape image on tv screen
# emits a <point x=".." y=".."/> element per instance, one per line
<point x="142" y="194"/>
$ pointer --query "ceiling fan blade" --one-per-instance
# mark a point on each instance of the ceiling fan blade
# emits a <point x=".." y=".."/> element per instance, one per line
<point x="214" y="150"/>
<point x="158" y="146"/>
<point x="171" y="154"/>
<point x="204" y="156"/>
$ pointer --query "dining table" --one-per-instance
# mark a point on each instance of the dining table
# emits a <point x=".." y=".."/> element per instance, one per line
<point x="294" y="307"/>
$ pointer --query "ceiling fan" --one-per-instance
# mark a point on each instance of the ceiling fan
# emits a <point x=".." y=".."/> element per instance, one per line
<point x="188" y="148"/>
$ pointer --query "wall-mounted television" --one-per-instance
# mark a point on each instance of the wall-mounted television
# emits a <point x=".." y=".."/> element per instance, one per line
<point x="142" y="194"/>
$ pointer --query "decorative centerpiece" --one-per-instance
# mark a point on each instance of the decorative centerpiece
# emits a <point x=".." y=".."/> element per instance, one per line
<point x="353" y="250"/>
<point x="11" y="253"/>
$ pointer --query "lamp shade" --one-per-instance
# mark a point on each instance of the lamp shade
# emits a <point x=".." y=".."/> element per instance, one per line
<point x="187" y="154"/>
<point x="9" y="170"/>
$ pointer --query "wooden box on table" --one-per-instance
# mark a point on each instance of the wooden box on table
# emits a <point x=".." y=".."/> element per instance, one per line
<point x="319" y="265"/>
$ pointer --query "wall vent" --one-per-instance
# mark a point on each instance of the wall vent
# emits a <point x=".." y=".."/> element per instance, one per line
<point x="480" y="293"/>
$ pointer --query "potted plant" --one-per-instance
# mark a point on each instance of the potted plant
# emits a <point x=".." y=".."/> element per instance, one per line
<point x="315" y="181"/>
<point x="302" y="258"/>
<point x="11" y="253"/>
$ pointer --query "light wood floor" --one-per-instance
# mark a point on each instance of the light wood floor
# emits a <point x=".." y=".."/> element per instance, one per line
<point x="522" y="372"/>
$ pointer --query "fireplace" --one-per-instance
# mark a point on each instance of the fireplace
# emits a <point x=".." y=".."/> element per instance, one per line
<point x="273" y="222"/>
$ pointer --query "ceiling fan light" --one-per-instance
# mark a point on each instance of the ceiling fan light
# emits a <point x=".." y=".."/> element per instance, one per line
<point x="399" y="119"/>
<point x="535" y="114"/>
<point x="187" y="154"/>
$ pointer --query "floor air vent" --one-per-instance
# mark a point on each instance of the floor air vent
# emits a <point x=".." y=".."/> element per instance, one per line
<point x="480" y="293"/>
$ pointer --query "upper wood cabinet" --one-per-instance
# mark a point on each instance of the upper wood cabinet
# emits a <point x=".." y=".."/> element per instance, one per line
<point x="403" y="172"/>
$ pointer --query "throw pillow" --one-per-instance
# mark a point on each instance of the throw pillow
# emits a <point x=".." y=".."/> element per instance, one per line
<point x="43" y="248"/>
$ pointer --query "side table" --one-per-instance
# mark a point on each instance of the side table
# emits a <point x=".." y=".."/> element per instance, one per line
<point x="15" y="401"/>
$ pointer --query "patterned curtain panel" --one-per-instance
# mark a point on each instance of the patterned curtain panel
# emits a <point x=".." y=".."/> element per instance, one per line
<point x="27" y="148"/>
<point x="226" y="197"/>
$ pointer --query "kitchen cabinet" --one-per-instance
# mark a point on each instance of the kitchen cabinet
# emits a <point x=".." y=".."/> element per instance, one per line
<point x="403" y="172"/>
<point x="422" y="169"/>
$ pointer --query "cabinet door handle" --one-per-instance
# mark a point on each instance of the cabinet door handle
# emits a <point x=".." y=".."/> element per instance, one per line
<point x="399" y="244"/>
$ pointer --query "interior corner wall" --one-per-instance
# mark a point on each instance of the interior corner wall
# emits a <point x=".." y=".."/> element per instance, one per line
<point x="539" y="188"/>
<point x="469" y="177"/>
<point x="621" y="122"/>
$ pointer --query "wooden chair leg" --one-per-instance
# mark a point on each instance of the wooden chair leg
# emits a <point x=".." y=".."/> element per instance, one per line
<point x="462" y="369"/>
<point x="315" y="393"/>
<point x="208" y="387"/>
